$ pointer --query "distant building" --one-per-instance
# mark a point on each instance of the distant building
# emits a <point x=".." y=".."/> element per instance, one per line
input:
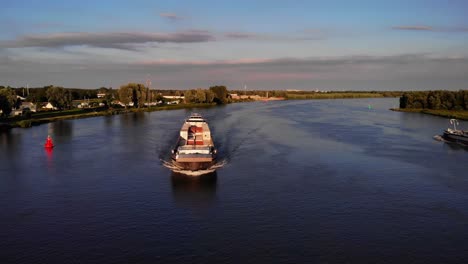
<point x="49" y="106"/>
<point x="293" y="90"/>
<point x="101" y="95"/>
<point x="28" y="105"/>
<point x="173" y="97"/>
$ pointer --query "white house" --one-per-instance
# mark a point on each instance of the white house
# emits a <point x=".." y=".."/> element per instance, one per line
<point x="173" y="97"/>
<point x="49" y="106"/>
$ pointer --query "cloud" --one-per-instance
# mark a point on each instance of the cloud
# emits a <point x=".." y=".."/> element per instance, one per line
<point x="323" y="61"/>
<point x="414" y="27"/>
<point x="163" y="62"/>
<point x="107" y="40"/>
<point x="430" y="28"/>
<point x="171" y="17"/>
<point x="241" y="35"/>
<point x="404" y="71"/>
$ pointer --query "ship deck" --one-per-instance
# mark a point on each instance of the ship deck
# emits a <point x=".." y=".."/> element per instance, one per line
<point x="194" y="158"/>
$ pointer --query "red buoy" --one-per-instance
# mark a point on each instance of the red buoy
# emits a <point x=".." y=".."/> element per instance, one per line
<point x="49" y="144"/>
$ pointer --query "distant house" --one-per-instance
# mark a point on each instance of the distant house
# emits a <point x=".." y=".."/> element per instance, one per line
<point x="16" y="112"/>
<point x="28" y="105"/>
<point x="101" y="95"/>
<point x="83" y="105"/>
<point x="49" y="106"/>
<point x="173" y="97"/>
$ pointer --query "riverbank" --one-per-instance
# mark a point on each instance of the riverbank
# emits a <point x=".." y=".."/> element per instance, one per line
<point x="52" y="116"/>
<point x="47" y="117"/>
<point x="458" y="114"/>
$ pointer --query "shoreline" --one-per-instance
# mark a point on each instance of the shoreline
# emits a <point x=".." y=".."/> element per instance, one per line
<point x="26" y="123"/>
<point x="458" y="114"/>
<point x="95" y="112"/>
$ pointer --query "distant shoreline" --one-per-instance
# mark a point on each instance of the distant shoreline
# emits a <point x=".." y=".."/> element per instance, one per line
<point x="94" y="112"/>
<point x="458" y="114"/>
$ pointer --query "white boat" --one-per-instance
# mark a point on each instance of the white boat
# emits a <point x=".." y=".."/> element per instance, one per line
<point x="455" y="135"/>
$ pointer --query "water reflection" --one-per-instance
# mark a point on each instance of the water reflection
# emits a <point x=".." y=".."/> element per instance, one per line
<point x="9" y="142"/>
<point x="197" y="192"/>
<point x="50" y="158"/>
<point x="453" y="146"/>
<point x="61" y="129"/>
<point x="138" y="118"/>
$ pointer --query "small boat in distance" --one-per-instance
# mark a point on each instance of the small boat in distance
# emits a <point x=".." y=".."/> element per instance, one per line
<point x="454" y="135"/>
<point x="194" y="150"/>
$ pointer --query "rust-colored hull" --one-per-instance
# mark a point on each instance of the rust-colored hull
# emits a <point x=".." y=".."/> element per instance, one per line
<point x="194" y="165"/>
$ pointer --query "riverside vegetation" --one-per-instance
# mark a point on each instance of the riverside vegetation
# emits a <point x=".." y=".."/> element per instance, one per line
<point x="134" y="97"/>
<point x="450" y="104"/>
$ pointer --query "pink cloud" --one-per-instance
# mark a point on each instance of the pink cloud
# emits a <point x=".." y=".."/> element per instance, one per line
<point x="267" y="76"/>
<point x="196" y="62"/>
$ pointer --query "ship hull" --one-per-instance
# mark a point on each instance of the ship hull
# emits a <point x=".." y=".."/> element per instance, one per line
<point x="193" y="166"/>
<point x="455" y="138"/>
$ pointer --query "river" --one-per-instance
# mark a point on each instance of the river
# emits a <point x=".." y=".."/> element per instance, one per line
<point x="324" y="181"/>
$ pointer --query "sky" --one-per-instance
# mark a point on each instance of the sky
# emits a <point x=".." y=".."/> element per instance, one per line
<point x="307" y="45"/>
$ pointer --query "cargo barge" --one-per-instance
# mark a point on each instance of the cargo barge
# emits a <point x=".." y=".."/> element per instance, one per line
<point x="194" y="150"/>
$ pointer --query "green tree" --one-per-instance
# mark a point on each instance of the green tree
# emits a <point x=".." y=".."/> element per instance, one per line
<point x="7" y="100"/>
<point x="133" y="92"/>
<point x="433" y="100"/>
<point x="221" y="94"/>
<point x="209" y="95"/>
<point x="190" y="96"/>
<point x="59" y="97"/>
<point x="141" y="95"/>
<point x="404" y="101"/>
<point x="200" y="96"/>
<point x="126" y="94"/>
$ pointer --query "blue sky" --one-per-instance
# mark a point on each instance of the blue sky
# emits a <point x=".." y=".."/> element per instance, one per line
<point x="329" y="45"/>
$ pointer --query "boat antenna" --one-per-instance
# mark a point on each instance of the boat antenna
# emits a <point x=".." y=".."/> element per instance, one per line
<point x="455" y="123"/>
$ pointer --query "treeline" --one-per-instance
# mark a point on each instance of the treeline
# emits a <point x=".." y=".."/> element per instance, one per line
<point x="136" y="94"/>
<point x="39" y="95"/>
<point x="215" y="94"/>
<point x="446" y="100"/>
<point x="262" y="93"/>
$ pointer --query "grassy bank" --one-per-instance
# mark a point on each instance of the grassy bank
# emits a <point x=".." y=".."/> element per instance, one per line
<point x="458" y="114"/>
<point x="52" y="116"/>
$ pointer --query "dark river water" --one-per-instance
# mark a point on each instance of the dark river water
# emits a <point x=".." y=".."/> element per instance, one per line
<point x="324" y="181"/>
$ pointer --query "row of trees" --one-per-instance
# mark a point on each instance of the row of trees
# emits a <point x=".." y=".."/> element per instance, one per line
<point x="137" y="94"/>
<point x="215" y="94"/>
<point x="57" y="96"/>
<point x="134" y="93"/>
<point x="39" y="95"/>
<point x="449" y="100"/>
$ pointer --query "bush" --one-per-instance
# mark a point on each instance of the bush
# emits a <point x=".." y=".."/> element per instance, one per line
<point x="24" y="123"/>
